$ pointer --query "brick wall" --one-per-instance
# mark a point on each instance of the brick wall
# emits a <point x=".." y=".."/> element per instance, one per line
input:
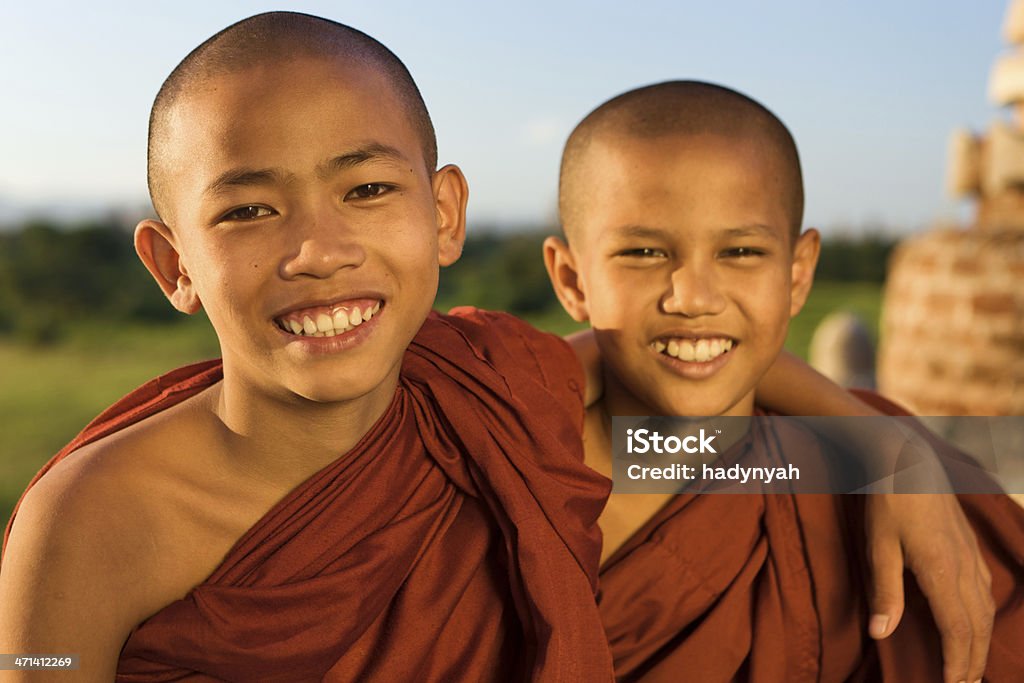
<point x="952" y="333"/>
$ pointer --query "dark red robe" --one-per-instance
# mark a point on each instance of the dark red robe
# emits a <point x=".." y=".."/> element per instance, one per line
<point x="773" y="589"/>
<point x="457" y="541"/>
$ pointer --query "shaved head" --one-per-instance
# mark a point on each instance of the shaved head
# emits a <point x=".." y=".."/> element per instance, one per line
<point x="273" y="38"/>
<point x="678" y="108"/>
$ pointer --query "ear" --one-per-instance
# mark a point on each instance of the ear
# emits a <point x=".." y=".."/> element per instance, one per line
<point x="805" y="259"/>
<point x="154" y="243"/>
<point x="565" y="279"/>
<point x="451" y="193"/>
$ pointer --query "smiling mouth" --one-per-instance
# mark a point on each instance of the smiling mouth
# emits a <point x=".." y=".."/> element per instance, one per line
<point x="700" y="350"/>
<point x="328" y="321"/>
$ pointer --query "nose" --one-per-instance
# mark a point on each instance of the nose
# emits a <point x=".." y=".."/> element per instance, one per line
<point x="322" y="243"/>
<point x="694" y="291"/>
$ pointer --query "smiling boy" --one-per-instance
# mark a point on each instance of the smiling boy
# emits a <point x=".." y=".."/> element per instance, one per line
<point x="206" y="525"/>
<point x="682" y="204"/>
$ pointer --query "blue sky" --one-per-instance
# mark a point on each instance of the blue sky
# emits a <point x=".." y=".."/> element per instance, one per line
<point x="870" y="89"/>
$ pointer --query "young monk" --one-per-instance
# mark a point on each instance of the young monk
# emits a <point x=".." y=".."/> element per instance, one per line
<point x="206" y="525"/>
<point x="682" y="204"/>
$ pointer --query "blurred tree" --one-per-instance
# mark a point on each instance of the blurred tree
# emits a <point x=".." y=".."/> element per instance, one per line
<point x="499" y="271"/>
<point x="855" y="259"/>
<point x="52" y="278"/>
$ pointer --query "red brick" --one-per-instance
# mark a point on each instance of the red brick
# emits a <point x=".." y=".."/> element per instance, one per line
<point x="994" y="303"/>
<point x="1009" y="342"/>
<point x="967" y="266"/>
<point x="986" y="373"/>
<point x="939" y="302"/>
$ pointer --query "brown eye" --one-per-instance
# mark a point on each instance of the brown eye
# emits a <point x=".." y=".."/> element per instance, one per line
<point x="247" y="213"/>
<point x="743" y="252"/>
<point x="369" y="191"/>
<point x="643" y="252"/>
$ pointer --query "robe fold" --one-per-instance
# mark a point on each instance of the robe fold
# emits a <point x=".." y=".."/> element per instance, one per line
<point x="456" y="541"/>
<point x="773" y="588"/>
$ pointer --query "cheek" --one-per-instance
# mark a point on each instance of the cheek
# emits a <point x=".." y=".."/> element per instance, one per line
<point x="408" y="233"/>
<point x="413" y="253"/>
<point x="407" y="258"/>
<point x="225" y="269"/>
<point x="768" y="303"/>
<point x="617" y="297"/>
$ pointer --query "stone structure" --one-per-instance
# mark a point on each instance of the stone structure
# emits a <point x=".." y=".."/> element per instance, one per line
<point x="841" y="349"/>
<point x="952" y="333"/>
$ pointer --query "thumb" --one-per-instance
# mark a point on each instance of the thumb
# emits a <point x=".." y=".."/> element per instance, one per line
<point x="886" y="601"/>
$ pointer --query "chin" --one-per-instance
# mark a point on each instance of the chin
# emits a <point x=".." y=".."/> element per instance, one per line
<point x="325" y="396"/>
<point x="695" y="403"/>
<point x="703" y="410"/>
<point x="323" y="391"/>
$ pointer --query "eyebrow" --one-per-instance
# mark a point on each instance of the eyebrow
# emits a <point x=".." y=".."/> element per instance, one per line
<point x="249" y="177"/>
<point x="245" y="177"/>
<point x="375" y="151"/>
<point x="752" y="230"/>
<point x="648" y="232"/>
<point x="639" y="231"/>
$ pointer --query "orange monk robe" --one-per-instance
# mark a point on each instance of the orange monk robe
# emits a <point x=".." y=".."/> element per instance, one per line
<point x="456" y="542"/>
<point x="772" y="588"/>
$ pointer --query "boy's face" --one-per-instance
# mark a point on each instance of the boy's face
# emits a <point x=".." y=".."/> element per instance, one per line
<point x="683" y="263"/>
<point x="298" y="194"/>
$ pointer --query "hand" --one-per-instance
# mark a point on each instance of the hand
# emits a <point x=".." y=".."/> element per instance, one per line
<point x="930" y="535"/>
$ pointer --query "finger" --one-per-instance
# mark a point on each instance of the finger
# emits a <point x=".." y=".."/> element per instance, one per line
<point x="886" y="603"/>
<point x="981" y="610"/>
<point x="939" y="580"/>
<point x="976" y="588"/>
<point x="956" y="633"/>
<point x="986" y="574"/>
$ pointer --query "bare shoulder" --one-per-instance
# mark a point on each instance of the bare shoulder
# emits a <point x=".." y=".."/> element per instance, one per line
<point x="96" y="546"/>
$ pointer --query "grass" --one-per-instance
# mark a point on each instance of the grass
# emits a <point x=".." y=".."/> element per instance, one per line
<point x="48" y="394"/>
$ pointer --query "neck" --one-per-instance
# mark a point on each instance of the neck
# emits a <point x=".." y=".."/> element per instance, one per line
<point x="618" y="400"/>
<point x="285" y="439"/>
<point x="691" y="400"/>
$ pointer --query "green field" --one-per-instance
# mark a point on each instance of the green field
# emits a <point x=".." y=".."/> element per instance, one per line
<point x="48" y="394"/>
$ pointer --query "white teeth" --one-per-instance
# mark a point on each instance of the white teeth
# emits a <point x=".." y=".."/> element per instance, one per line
<point x="693" y="350"/>
<point x="340" y="319"/>
<point x="703" y="352"/>
<point x="329" y="325"/>
<point x="324" y="323"/>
